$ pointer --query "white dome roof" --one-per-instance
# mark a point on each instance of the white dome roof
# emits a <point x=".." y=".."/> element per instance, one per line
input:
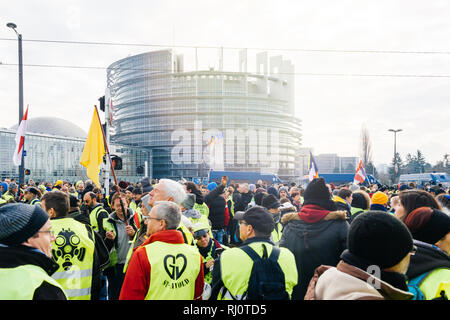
<point x="53" y="126"/>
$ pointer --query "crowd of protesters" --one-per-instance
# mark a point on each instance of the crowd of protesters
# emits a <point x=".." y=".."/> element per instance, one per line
<point x="166" y="239"/>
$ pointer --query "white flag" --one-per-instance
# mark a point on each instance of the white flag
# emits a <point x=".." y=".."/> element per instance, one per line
<point x="20" y="139"/>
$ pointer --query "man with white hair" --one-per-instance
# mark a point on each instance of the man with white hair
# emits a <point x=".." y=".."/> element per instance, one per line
<point x="164" y="267"/>
<point x="170" y="190"/>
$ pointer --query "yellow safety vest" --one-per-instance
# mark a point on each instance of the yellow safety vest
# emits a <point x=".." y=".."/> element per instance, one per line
<point x="202" y="208"/>
<point x="174" y="269"/>
<point x="276" y="233"/>
<point x="187" y="235"/>
<point x="73" y="250"/>
<point x="236" y="267"/>
<point x="21" y="282"/>
<point x="94" y="215"/>
<point x="436" y="281"/>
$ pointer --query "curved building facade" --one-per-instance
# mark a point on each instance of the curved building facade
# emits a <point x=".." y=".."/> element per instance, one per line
<point x="178" y="116"/>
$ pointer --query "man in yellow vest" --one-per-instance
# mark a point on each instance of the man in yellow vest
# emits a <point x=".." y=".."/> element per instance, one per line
<point x="97" y="214"/>
<point x="26" y="263"/>
<point x="164" y="267"/>
<point x="78" y="251"/>
<point x="32" y="196"/>
<point x="232" y="270"/>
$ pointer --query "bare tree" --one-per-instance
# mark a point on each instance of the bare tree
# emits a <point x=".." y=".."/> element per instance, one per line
<point x="366" y="147"/>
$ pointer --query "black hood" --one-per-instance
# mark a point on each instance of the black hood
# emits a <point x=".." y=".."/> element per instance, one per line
<point x="426" y="258"/>
<point x="14" y="256"/>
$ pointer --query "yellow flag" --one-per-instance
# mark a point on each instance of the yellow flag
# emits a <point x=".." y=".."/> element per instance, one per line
<point x="94" y="150"/>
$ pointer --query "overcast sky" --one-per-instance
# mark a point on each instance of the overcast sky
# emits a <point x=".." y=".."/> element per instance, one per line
<point x="336" y="92"/>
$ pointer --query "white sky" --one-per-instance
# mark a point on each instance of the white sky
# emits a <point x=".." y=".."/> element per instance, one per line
<point x="332" y="108"/>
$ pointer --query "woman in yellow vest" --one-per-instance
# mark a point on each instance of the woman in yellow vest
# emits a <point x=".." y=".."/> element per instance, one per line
<point x="164" y="267"/>
<point x="26" y="263"/>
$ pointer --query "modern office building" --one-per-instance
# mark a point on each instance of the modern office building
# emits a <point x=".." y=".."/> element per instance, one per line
<point x="177" y="116"/>
<point x="53" y="149"/>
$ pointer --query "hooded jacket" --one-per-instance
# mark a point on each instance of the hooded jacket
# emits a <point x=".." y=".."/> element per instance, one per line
<point x="14" y="256"/>
<point x="426" y="259"/>
<point x="347" y="282"/>
<point x="315" y="236"/>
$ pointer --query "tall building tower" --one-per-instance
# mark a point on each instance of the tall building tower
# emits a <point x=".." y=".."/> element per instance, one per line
<point x="179" y="116"/>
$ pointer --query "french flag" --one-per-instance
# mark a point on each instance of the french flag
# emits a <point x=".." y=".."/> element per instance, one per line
<point x="20" y="139"/>
<point x="360" y="174"/>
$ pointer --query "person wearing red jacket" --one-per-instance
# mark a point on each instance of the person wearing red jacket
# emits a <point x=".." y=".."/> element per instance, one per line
<point x="160" y="270"/>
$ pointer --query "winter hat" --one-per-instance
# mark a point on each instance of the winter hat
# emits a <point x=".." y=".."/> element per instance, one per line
<point x="137" y="191"/>
<point x="32" y="190"/>
<point x="12" y="185"/>
<point x="379" y="238"/>
<point x="123" y="185"/>
<point x="19" y="222"/>
<point x="5" y="186"/>
<point x="427" y="224"/>
<point x="212" y="186"/>
<point x="403" y="187"/>
<point x="189" y="201"/>
<point x="380" y="198"/>
<point x="274" y="191"/>
<point x="146" y="185"/>
<point x="270" y="202"/>
<point x="317" y="193"/>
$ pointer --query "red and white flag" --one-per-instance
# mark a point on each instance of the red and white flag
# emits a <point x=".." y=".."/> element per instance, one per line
<point x="360" y="174"/>
<point x="20" y="138"/>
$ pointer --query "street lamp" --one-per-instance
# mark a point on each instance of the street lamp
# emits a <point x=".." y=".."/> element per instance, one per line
<point x="19" y="37"/>
<point x="395" y="148"/>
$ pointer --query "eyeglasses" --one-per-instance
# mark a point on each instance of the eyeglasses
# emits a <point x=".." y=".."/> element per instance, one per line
<point x="148" y="217"/>
<point x="50" y="232"/>
<point x="243" y="222"/>
<point x="413" y="251"/>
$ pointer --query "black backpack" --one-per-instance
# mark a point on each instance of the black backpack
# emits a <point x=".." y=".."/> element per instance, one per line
<point x="267" y="280"/>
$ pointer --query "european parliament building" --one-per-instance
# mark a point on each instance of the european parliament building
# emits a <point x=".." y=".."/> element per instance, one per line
<point x="175" y="115"/>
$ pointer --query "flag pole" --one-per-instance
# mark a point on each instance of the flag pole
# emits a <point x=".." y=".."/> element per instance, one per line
<point x="112" y="167"/>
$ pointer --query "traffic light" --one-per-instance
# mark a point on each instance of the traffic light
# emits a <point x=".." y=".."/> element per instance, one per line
<point x="102" y="103"/>
<point x="116" y="162"/>
<point x="27" y="172"/>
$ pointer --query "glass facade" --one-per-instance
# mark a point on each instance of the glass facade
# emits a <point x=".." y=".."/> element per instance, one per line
<point x="153" y="98"/>
<point x="50" y="158"/>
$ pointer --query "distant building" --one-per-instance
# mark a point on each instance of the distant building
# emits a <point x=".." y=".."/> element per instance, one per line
<point x="332" y="163"/>
<point x="53" y="149"/>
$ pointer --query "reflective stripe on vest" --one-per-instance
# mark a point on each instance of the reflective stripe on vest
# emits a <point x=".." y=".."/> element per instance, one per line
<point x="236" y="267"/>
<point x="73" y="250"/>
<point x="21" y="282"/>
<point x="35" y="201"/>
<point x="174" y="269"/>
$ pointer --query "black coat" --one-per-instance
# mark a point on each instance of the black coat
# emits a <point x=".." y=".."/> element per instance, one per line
<point x="12" y="257"/>
<point x="313" y="244"/>
<point x="216" y="204"/>
<point x="241" y="200"/>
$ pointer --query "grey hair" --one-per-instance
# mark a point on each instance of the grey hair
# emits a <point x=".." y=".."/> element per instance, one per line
<point x="173" y="189"/>
<point x="168" y="211"/>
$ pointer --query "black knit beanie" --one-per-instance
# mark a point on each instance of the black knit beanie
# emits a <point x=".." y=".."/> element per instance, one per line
<point x="317" y="193"/>
<point x="359" y="201"/>
<point x="19" y="222"/>
<point x="379" y="238"/>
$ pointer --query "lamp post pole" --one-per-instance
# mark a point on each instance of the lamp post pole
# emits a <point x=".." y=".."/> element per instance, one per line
<point x="19" y="37"/>
<point x="395" y="148"/>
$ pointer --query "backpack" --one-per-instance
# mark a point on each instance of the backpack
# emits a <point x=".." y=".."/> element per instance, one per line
<point x="267" y="280"/>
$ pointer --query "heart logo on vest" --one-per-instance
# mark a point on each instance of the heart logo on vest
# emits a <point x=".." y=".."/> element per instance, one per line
<point x="175" y="266"/>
